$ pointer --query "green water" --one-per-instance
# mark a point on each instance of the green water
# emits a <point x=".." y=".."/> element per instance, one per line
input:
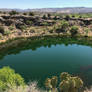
<point x="41" y="58"/>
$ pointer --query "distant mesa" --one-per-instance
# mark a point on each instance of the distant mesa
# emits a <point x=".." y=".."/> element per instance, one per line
<point x="58" y="10"/>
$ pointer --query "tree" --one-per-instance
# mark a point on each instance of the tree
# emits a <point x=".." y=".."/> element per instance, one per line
<point x="8" y="77"/>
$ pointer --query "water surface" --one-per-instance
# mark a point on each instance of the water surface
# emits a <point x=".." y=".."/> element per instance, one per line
<point x="42" y="58"/>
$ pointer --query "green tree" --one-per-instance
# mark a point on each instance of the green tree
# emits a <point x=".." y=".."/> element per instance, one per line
<point x="8" y="77"/>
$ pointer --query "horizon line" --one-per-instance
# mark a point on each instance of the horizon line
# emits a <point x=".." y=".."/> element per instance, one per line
<point x="47" y="8"/>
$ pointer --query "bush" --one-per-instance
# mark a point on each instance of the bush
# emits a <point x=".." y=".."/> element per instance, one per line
<point x="74" y="30"/>
<point x="28" y="22"/>
<point x="22" y="27"/>
<point x="67" y="17"/>
<point x="55" y="18"/>
<point x="7" y="32"/>
<point x="0" y="12"/>
<point x="87" y="30"/>
<point x="49" y="15"/>
<point x="2" y="30"/>
<point x="45" y="23"/>
<point x="64" y="26"/>
<point x="4" y="12"/>
<point x="44" y="17"/>
<point x="8" y="77"/>
<point x="67" y="83"/>
<point x="24" y="13"/>
<point x="31" y="14"/>
<point x="13" y="13"/>
<point x="11" y="27"/>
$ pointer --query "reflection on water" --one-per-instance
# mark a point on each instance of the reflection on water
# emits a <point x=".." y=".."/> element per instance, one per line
<point x="36" y="59"/>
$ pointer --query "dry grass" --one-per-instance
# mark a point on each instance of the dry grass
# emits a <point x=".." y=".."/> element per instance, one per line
<point x="88" y="90"/>
<point x="30" y="88"/>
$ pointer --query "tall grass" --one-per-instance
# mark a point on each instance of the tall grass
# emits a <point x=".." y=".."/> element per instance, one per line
<point x="32" y="87"/>
<point x="88" y="90"/>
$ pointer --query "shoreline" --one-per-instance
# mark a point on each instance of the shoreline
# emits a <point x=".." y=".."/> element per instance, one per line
<point x="33" y="35"/>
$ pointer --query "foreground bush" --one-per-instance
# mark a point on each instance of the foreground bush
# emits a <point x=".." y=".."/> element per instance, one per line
<point x="12" y="82"/>
<point x="8" y="78"/>
<point x="67" y="83"/>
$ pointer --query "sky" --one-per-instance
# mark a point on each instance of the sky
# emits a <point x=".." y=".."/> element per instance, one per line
<point x="25" y="4"/>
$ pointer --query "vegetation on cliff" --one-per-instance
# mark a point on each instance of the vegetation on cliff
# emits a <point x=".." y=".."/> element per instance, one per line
<point x="15" y="25"/>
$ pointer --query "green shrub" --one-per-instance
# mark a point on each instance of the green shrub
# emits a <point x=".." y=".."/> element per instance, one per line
<point x="64" y="26"/>
<point x="44" y="17"/>
<point x="13" y="13"/>
<point x="31" y="14"/>
<point x="55" y="18"/>
<point x="11" y="27"/>
<point x="8" y="77"/>
<point x="74" y="30"/>
<point x="24" y="13"/>
<point x="7" y="32"/>
<point x="45" y="24"/>
<point x="2" y="30"/>
<point x="22" y="27"/>
<point x="87" y="30"/>
<point x="67" y="17"/>
<point x="28" y="22"/>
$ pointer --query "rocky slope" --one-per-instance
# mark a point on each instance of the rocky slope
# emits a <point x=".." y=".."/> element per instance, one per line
<point x="17" y="26"/>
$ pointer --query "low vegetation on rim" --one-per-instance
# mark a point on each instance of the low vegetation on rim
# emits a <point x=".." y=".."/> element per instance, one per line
<point x="15" y="24"/>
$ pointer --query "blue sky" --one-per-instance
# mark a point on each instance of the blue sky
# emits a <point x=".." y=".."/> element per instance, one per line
<point x="25" y="4"/>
